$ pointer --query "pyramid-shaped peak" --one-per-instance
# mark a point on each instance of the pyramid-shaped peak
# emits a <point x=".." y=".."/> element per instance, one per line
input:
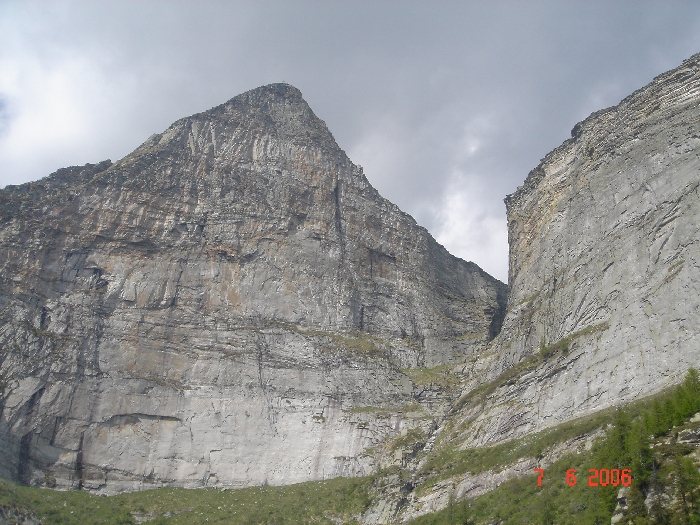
<point x="276" y="90"/>
<point x="277" y="109"/>
<point x="270" y="95"/>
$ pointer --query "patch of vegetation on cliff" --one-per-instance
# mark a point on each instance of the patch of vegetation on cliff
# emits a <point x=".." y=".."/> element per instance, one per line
<point x="441" y="376"/>
<point x="661" y="471"/>
<point x="563" y="344"/>
<point x="359" y="342"/>
<point x="322" y="502"/>
<point x="414" y="436"/>
<point x="529" y="363"/>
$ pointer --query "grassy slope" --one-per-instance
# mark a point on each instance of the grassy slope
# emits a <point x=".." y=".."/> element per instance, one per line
<point x="323" y="502"/>
<point x="447" y="460"/>
<point x="520" y="501"/>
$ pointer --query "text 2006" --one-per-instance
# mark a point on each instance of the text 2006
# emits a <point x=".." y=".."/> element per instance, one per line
<point x="613" y="477"/>
<point x="603" y="477"/>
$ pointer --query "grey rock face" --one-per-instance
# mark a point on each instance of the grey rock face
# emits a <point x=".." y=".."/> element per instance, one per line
<point x="604" y="264"/>
<point x="604" y="305"/>
<point x="225" y="305"/>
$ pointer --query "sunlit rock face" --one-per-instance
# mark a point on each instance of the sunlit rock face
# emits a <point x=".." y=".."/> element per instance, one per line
<point x="604" y="239"/>
<point x="223" y="306"/>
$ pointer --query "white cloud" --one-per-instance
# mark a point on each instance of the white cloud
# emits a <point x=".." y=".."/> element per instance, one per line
<point x="59" y="105"/>
<point x="48" y="115"/>
<point x="380" y="151"/>
<point x="469" y="229"/>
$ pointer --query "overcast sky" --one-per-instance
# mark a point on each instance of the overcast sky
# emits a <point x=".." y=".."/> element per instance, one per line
<point x="446" y="105"/>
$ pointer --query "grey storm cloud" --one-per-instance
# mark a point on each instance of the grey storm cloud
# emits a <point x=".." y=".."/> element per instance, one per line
<point x="447" y="106"/>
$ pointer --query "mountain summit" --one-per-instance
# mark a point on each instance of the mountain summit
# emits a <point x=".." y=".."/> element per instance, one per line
<point x="230" y="304"/>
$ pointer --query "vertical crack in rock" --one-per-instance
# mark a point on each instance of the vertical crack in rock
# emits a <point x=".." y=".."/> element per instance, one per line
<point x="338" y="218"/>
<point x="79" y="466"/>
<point x="24" y="469"/>
<point x="260" y="348"/>
<point x="499" y="313"/>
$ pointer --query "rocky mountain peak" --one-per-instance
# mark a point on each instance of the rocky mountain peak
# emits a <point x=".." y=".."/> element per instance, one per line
<point x="271" y="125"/>
<point x="276" y="92"/>
<point x="278" y="103"/>
<point x="275" y="110"/>
<point x="235" y="287"/>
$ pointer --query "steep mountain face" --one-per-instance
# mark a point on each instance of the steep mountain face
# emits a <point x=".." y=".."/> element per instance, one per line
<point x="604" y="266"/>
<point x="603" y="307"/>
<point x="232" y="303"/>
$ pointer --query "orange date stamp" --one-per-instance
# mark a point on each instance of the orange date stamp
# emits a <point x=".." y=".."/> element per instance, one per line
<point x="603" y="477"/>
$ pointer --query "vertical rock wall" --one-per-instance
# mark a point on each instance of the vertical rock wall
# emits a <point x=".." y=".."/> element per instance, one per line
<point x="604" y="239"/>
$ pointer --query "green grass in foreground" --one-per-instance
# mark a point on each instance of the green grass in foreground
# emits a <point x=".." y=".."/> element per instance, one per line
<point x="338" y="500"/>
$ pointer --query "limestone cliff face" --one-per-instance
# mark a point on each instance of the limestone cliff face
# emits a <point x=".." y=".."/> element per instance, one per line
<point x="604" y="301"/>
<point x="226" y="305"/>
<point x="604" y="265"/>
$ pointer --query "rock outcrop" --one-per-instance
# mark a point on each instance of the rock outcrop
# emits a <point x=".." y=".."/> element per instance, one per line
<point x="230" y="304"/>
<point x="604" y="236"/>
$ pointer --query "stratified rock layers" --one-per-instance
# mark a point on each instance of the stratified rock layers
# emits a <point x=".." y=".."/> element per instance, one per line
<point x="604" y="265"/>
<point x="225" y="305"/>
